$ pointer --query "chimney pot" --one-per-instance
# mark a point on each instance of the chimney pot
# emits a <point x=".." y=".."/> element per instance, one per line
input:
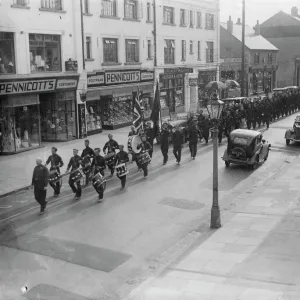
<point x="239" y="21"/>
<point x="230" y="25"/>
<point x="294" y="11"/>
<point x="257" y="28"/>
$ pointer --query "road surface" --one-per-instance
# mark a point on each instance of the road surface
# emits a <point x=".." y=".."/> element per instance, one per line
<point x="85" y="250"/>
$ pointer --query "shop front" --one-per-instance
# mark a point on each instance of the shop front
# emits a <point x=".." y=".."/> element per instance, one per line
<point x="111" y="95"/>
<point x="204" y="77"/>
<point x="35" y="110"/>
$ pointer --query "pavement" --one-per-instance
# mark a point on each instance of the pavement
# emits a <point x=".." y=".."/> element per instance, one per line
<point x="255" y="255"/>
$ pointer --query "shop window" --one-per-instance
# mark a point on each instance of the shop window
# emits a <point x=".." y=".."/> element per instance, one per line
<point x="7" y="53"/>
<point x="147" y="103"/>
<point x="58" y="116"/>
<point x="88" y="47"/>
<point x="93" y="116"/>
<point x="19" y="127"/>
<point x="182" y="17"/>
<point x="169" y="15"/>
<point x="52" y="4"/>
<point x="199" y="19"/>
<point x="210" y="21"/>
<point x="131" y="9"/>
<point x="169" y="51"/>
<point x="45" y="53"/>
<point x="183" y="50"/>
<point x="132" y="51"/>
<point x="109" y="8"/>
<point x="110" y="50"/>
<point x="191" y="18"/>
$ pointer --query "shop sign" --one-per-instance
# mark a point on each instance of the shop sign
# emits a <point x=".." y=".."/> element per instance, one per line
<point x="193" y="81"/>
<point x="71" y="65"/>
<point x="66" y="84"/>
<point x="147" y="76"/>
<point x="122" y="77"/>
<point x="27" y="86"/>
<point x="178" y="70"/>
<point x="95" y="80"/>
<point x="170" y="76"/>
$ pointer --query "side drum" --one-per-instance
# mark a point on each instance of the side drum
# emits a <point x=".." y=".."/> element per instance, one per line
<point x="98" y="180"/>
<point x="54" y="176"/>
<point x="76" y="175"/>
<point x="122" y="170"/>
<point x="144" y="158"/>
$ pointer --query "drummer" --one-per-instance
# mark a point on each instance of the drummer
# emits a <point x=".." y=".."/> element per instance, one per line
<point x="122" y="158"/>
<point x="89" y="154"/>
<point x="99" y="164"/>
<point x="146" y="147"/>
<point x="74" y="163"/>
<point x="132" y="132"/>
<point x="56" y="164"/>
<point x="111" y="145"/>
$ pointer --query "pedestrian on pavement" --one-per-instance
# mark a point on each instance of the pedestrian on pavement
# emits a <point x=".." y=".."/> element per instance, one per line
<point x="87" y="155"/>
<point x="206" y="128"/>
<point x="56" y="164"/>
<point x="74" y="163"/>
<point x="164" y="142"/>
<point x="193" y="140"/>
<point x="39" y="182"/>
<point x="122" y="158"/>
<point x="177" y="144"/>
<point x="99" y="166"/>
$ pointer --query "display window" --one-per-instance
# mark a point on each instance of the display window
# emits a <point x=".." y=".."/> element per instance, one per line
<point x="117" y="111"/>
<point x="19" y="128"/>
<point x="147" y="102"/>
<point x="93" y="116"/>
<point x="58" y="116"/>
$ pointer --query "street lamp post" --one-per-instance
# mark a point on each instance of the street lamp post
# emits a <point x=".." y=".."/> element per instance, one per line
<point x="214" y="108"/>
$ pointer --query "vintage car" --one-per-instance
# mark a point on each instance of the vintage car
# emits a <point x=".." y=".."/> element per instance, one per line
<point x="293" y="134"/>
<point x="279" y="91"/>
<point x="246" y="147"/>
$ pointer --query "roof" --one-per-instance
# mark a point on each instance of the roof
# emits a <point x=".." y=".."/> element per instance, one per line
<point x="245" y="133"/>
<point x="252" y="41"/>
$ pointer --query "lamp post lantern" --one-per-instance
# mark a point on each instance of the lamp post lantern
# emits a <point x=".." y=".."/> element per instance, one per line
<point x="215" y="108"/>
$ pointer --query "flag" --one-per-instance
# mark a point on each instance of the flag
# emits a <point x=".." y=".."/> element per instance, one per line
<point x="137" y="113"/>
<point x="156" y="111"/>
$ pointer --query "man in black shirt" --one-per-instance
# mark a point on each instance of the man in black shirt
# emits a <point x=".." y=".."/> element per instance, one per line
<point x="122" y="157"/>
<point x="111" y="145"/>
<point x="150" y="137"/>
<point x="146" y="147"/>
<point x="177" y="144"/>
<point x="164" y="142"/>
<point x="39" y="181"/>
<point x="56" y="164"/>
<point x="87" y="154"/>
<point x="100" y="165"/>
<point x="75" y="163"/>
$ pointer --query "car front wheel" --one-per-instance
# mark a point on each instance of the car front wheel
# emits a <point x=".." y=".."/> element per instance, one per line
<point x="287" y="141"/>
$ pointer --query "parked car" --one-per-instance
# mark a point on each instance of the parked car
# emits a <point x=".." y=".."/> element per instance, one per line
<point x="293" y="134"/>
<point x="246" y="147"/>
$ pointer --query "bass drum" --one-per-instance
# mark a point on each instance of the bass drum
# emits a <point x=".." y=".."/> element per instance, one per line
<point x="133" y="142"/>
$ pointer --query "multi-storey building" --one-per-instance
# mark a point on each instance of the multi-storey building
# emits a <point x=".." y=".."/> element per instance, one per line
<point x="71" y="68"/>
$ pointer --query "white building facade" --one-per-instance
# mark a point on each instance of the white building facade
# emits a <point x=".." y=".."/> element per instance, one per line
<point x="72" y="68"/>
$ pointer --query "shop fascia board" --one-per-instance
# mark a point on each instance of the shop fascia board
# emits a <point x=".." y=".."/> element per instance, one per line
<point x="38" y="76"/>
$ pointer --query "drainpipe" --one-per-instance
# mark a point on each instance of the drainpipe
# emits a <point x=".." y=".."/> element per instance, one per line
<point x="82" y="35"/>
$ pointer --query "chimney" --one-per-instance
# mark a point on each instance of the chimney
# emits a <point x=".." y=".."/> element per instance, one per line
<point x="239" y="21"/>
<point x="294" y="11"/>
<point x="257" y="28"/>
<point x="230" y="25"/>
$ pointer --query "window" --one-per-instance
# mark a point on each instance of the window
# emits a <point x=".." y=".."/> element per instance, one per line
<point x="132" y="51"/>
<point x="109" y="8"/>
<point x="270" y="58"/>
<point x="149" y="12"/>
<point x="110" y="50"/>
<point x="149" y="49"/>
<point x="88" y="44"/>
<point x="210" y="52"/>
<point x="168" y="15"/>
<point x="210" y="21"/>
<point x="199" y="50"/>
<point x="199" y="19"/>
<point x="182" y="17"/>
<point x="21" y="2"/>
<point x="52" y="4"/>
<point x="131" y="9"/>
<point x="191" y="47"/>
<point x="86" y="7"/>
<point x="45" y="52"/>
<point x="183" y="50"/>
<point x="191" y="18"/>
<point x="169" y="52"/>
<point x="256" y="58"/>
<point x="7" y="53"/>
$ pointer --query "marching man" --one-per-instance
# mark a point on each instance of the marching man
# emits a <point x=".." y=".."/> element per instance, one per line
<point x="122" y="158"/>
<point x="100" y="165"/>
<point x="146" y="147"/>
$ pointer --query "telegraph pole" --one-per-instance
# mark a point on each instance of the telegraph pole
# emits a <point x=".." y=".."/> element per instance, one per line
<point x="243" y="53"/>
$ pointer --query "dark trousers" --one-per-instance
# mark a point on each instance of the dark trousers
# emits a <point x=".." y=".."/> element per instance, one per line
<point x="165" y="155"/>
<point x="123" y="180"/>
<point x="144" y="167"/>
<point x="100" y="189"/>
<point x="87" y="177"/>
<point x="40" y="196"/>
<point x="193" y="149"/>
<point x="220" y="135"/>
<point x="56" y="187"/>
<point x="112" y="169"/>
<point x="76" y="187"/>
<point x="177" y="153"/>
<point x="249" y="122"/>
<point x="266" y="120"/>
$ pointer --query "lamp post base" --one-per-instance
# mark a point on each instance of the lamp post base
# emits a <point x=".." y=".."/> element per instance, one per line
<point x="215" y="219"/>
